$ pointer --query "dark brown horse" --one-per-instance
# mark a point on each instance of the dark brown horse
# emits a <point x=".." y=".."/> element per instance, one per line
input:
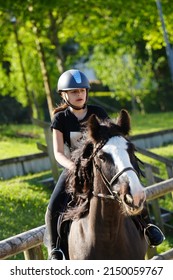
<point x="107" y="194"/>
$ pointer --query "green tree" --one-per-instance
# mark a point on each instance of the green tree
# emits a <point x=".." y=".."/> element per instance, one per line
<point x="128" y="77"/>
<point x="53" y="35"/>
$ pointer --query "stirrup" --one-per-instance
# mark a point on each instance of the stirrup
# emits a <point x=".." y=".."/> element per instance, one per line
<point x="153" y="235"/>
<point x="57" y="254"/>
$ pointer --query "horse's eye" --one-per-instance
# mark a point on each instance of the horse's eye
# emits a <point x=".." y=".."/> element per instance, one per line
<point x="102" y="157"/>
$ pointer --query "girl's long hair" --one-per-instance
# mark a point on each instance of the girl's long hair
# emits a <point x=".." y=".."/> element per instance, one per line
<point x="61" y="107"/>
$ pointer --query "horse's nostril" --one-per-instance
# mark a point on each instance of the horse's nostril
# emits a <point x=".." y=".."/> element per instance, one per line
<point x="128" y="199"/>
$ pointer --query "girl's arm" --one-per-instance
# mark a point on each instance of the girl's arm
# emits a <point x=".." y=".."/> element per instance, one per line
<point x="58" y="148"/>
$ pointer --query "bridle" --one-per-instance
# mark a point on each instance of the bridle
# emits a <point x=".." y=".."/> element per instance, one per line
<point x="113" y="194"/>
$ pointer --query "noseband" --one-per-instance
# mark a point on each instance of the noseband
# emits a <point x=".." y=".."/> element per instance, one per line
<point x="113" y="194"/>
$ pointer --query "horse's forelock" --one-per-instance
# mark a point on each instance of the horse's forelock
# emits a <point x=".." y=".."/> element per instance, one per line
<point x="100" y="131"/>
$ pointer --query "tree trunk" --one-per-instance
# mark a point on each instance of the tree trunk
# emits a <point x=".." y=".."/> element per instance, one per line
<point x="55" y="42"/>
<point x="141" y="105"/>
<point x="29" y="102"/>
<point x="133" y="101"/>
<point x="46" y="81"/>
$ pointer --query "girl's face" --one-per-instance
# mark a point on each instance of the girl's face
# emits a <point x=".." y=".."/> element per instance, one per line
<point x="76" y="97"/>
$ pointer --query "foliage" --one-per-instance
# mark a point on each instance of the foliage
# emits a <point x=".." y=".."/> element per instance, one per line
<point x="12" y="111"/>
<point x="71" y="31"/>
<point x="129" y="78"/>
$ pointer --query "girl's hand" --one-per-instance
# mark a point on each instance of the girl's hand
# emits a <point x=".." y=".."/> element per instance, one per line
<point x="72" y="166"/>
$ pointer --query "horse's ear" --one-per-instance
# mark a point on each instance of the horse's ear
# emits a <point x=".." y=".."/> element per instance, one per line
<point x="94" y="128"/>
<point x="123" y="121"/>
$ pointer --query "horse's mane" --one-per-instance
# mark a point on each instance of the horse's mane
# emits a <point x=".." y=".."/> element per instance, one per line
<point x="80" y="180"/>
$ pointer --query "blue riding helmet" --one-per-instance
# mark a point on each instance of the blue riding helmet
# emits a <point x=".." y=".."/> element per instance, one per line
<point x="72" y="79"/>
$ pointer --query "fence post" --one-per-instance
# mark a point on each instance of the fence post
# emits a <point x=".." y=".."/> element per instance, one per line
<point x="155" y="207"/>
<point x="48" y="138"/>
<point x="169" y="168"/>
<point x="53" y="162"/>
<point x="154" y="203"/>
<point x="34" y="253"/>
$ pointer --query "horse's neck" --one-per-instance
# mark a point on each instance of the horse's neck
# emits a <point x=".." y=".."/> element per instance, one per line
<point x="104" y="209"/>
<point x="104" y="212"/>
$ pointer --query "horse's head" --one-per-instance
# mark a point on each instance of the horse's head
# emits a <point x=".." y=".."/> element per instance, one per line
<point x="115" y="162"/>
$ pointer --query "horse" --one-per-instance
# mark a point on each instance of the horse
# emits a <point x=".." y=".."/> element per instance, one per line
<point x="107" y="192"/>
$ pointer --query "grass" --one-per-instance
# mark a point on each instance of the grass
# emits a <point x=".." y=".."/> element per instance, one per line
<point x="23" y="203"/>
<point x="25" y="196"/>
<point x="19" y="140"/>
<point x="142" y="124"/>
<point x="167" y="152"/>
<point x="164" y="151"/>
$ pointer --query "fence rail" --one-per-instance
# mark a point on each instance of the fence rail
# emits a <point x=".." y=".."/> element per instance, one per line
<point x="168" y="255"/>
<point x="30" y="242"/>
<point x="24" y="242"/>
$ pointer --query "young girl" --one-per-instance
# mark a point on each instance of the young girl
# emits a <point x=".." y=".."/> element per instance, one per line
<point x="68" y="119"/>
<point x="73" y="86"/>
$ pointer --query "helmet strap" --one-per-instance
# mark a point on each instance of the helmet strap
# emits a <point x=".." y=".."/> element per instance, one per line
<point x="76" y="107"/>
<point x="73" y="106"/>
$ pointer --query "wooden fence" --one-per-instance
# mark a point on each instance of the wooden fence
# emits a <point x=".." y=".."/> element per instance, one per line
<point x="152" y="176"/>
<point x="30" y="242"/>
<point x="22" y="165"/>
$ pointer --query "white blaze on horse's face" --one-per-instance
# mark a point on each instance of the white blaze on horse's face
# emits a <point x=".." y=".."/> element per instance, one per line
<point x="117" y="148"/>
